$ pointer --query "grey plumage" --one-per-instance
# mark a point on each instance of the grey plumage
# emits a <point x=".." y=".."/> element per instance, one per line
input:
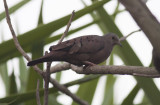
<point x="84" y="50"/>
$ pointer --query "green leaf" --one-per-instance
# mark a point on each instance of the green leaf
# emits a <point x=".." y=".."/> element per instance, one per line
<point x="37" y="52"/>
<point x="95" y="17"/>
<point x="33" y="75"/>
<point x="56" y="37"/>
<point x="130" y="58"/>
<point x="58" y="76"/>
<point x="85" y="92"/>
<point x="150" y="89"/>
<point x="130" y="98"/>
<point x="109" y="89"/>
<point x="116" y="11"/>
<point x="40" y="19"/>
<point x="108" y="98"/>
<point x="52" y="100"/>
<point x="145" y="101"/>
<point x="42" y="32"/>
<point x="50" y="39"/>
<point x="30" y="95"/>
<point x="5" y="77"/>
<point x="14" y="8"/>
<point x="23" y="74"/>
<point x="13" y="85"/>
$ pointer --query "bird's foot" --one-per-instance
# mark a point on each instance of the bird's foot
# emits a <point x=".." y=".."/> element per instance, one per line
<point x="88" y="64"/>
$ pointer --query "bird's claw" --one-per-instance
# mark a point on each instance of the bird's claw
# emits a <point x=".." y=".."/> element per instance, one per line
<point x="88" y="64"/>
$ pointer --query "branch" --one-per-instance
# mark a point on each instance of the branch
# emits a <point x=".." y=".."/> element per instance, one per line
<point x="148" y="23"/>
<point x="145" y="19"/>
<point x="125" y="37"/>
<point x="67" y="92"/>
<point x="121" y="70"/>
<point x="82" y="80"/>
<point x="37" y="94"/>
<point x="60" y="67"/>
<point x="54" y="82"/>
<point x="46" y="79"/>
<point x="13" y="33"/>
<point x="106" y="69"/>
<point x="16" y="42"/>
<point x="38" y="70"/>
<point x="68" y="25"/>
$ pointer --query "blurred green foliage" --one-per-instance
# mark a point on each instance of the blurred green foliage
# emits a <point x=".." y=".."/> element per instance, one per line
<point x="25" y="93"/>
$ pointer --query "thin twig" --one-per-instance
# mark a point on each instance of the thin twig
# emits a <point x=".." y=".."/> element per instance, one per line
<point x="46" y="79"/>
<point x="38" y="70"/>
<point x="68" y="25"/>
<point x="145" y="20"/>
<point x="83" y="80"/>
<point x="37" y="94"/>
<point x="61" y="87"/>
<point x="13" y="33"/>
<point x="65" y="90"/>
<point x="125" y="37"/>
<point x="16" y="42"/>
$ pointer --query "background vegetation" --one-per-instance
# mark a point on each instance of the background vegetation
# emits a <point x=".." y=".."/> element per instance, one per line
<point x="21" y="90"/>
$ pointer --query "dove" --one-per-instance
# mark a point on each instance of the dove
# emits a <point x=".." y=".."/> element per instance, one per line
<point x="86" y="50"/>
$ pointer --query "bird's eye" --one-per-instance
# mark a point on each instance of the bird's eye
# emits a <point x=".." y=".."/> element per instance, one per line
<point x="113" y="38"/>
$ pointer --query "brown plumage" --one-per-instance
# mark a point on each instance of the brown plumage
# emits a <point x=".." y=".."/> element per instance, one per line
<point x="84" y="50"/>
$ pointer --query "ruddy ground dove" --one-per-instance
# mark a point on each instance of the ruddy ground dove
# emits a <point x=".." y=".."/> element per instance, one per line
<point x="85" y="50"/>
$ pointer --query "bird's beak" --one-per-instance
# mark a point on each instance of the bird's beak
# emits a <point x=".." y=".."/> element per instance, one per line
<point x="119" y="43"/>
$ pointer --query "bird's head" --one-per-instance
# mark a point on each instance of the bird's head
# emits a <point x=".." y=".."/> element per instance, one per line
<point x="114" y="39"/>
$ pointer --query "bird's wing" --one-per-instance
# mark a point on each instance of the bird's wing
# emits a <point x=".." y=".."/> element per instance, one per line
<point x="91" y="44"/>
<point x="84" y="44"/>
<point x="62" y="46"/>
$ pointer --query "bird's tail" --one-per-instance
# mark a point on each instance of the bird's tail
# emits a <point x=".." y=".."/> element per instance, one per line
<point x="34" y="62"/>
<point x="45" y="58"/>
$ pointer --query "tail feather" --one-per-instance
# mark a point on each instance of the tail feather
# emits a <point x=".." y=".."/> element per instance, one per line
<point x="34" y="62"/>
<point x="40" y="60"/>
<point x="52" y="56"/>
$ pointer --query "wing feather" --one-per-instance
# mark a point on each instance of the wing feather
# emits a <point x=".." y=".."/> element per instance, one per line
<point x="91" y="44"/>
<point x="84" y="44"/>
<point x="62" y="46"/>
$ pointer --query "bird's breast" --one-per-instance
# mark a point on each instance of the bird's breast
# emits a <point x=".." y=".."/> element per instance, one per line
<point x="101" y="55"/>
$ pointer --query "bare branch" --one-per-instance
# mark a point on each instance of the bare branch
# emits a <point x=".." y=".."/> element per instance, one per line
<point x="122" y="70"/>
<point x="68" y="25"/>
<point x="60" y="67"/>
<point x="16" y="42"/>
<point x="46" y="79"/>
<point x="106" y="69"/>
<point x="13" y="33"/>
<point x="74" y="97"/>
<point x="125" y="37"/>
<point x="82" y="80"/>
<point x="37" y="94"/>
<point x="67" y="92"/>
<point x="145" y="19"/>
